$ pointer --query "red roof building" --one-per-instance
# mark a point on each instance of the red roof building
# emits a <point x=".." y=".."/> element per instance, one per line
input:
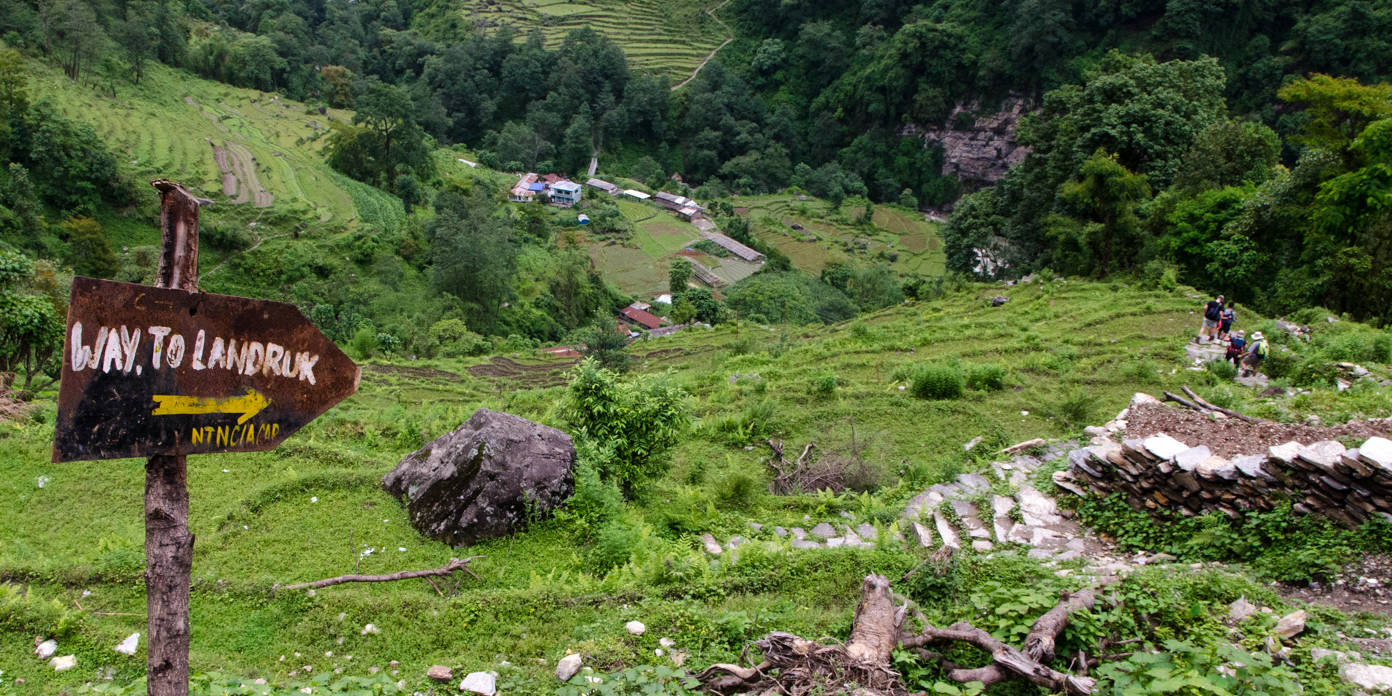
<point x="641" y="318"/>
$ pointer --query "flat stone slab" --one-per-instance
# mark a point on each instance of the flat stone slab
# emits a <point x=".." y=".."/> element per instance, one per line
<point x="1189" y="459"/>
<point x="1323" y="453"/>
<point x="1377" y="451"/>
<point x="824" y="531"/>
<point x="805" y="544"/>
<point x="1370" y="677"/>
<point x="1285" y="452"/>
<point x="1037" y="508"/>
<point x="920" y="535"/>
<point x="866" y="530"/>
<point x="946" y="532"/>
<point x="1163" y="447"/>
<point x="973" y="483"/>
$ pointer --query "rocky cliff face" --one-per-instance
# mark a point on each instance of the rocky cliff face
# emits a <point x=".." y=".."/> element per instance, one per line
<point x="977" y="155"/>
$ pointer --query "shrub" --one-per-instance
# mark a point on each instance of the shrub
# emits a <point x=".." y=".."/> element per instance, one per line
<point x="986" y="377"/>
<point x="615" y="543"/>
<point x="640" y="419"/>
<point x="756" y="422"/>
<point x="1074" y="409"/>
<point x="1221" y="370"/>
<point x="1313" y="372"/>
<point x="824" y="386"/>
<point x="1280" y="363"/>
<point x="595" y="501"/>
<point x="943" y="381"/>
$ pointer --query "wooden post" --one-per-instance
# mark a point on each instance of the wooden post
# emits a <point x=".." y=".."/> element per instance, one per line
<point x="168" y="543"/>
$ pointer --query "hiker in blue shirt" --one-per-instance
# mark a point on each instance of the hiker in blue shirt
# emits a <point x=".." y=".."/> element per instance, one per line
<point x="1213" y="313"/>
<point x="1236" y="344"/>
<point x="1225" y="322"/>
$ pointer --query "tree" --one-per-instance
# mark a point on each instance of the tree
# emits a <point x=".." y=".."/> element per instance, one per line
<point x="88" y="251"/>
<point x="474" y="255"/>
<point x="138" y="36"/>
<point x="1229" y="153"/>
<point x="72" y="34"/>
<point x="678" y="275"/>
<point x="1352" y="227"/>
<point x="1336" y="109"/>
<point x="1106" y="195"/>
<point x="604" y="343"/>
<point x="637" y="419"/>
<point x="385" y="140"/>
<point x="31" y="325"/>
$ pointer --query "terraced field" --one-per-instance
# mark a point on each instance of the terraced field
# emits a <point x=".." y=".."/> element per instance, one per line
<point x="907" y="242"/>
<point x="174" y="125"/>
<point x="639" y="267"/>
<point x="672" y="38"/>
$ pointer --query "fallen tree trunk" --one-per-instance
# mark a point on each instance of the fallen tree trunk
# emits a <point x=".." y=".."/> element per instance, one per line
<point x="1211" y="407"/>
<point x="796" y="666"/>
<point x="448" y="568"/>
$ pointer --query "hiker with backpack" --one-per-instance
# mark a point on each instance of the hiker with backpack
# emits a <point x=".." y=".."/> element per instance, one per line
<point x="1256" y="353"/>
<point x="1213" y="313"/>
<point x="1225" y="322"/>
<point x="1236" y="343"/>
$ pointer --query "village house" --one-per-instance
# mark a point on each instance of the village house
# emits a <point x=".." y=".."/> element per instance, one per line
<point x="604" y="186"/>
<point x="672" y="201"/>
<point x="635" y="193"/>
<point x="640" y="318"/>
<point x="526" y="189"/>
<point x="734" y="247"/>
<point x="564" y="193"/>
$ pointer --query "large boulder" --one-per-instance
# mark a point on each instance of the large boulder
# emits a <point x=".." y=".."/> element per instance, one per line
<point x="485" y="479"/>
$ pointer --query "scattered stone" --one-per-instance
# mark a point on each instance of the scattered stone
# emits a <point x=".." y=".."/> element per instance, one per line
<point x="369" y="630"/>
<point x="866" y="530"/>
<point x="1370" y="677"/>
<point x="666" y="642"/>
<point x="799" y="533"/>
<point x="946" y="532"/>
<point x="45" y="648"/>
<point x="756" y="526"/>
<point x="1291" y="625"/>
<point x="711" y="545"/>
<point x="1039" y="554"/>
<point x="129" y="645"/>
<point x="982" y="546"/>
<point x="779" y="531"/>
<point x="568" y="666"/>
<point x="1023" y="446"/>
<point x="635" y="628"/>
<point x="1241" y="610"/>
<point x="440" y="673"/>
<point x="824" y="530"/>
<point x="485" y="479"/>
<point x="1036" y="508"/>
<point x="972" y="443"/>
<point x="920" y="535"/>
<point x="64" y="663"/>
<point x="804" y="544"/>
<point x="1096" y="431"/>
<point x="482" y="683"/>
<point x="999" y="300"/>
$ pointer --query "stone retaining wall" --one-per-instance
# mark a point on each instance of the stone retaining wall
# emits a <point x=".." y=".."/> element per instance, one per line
<point x="1348" y="485"/>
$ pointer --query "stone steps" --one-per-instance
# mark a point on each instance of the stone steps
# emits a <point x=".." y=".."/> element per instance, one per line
<point x="947" y="516"/>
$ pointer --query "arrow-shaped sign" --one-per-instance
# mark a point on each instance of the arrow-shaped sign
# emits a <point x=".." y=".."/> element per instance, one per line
<point x="248" y="404"/>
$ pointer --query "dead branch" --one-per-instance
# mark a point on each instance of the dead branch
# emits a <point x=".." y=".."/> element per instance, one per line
<point x="1169" y="396"/>
<point x="796" y="666"/>
<point x="453" y="565"/>
<point x="1226" y="411"/>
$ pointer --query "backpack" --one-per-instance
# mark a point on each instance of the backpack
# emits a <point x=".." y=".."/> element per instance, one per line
<point x="1261" y="349"/>
<point x="1213" y="312"/>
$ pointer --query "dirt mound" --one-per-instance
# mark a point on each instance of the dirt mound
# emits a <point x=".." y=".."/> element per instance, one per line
<point x="1364" y="585"/>
<point x="1232" y="437"/>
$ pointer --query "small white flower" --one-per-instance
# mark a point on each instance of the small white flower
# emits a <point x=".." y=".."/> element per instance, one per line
<point x="401" y="549"/>
<point x="314" y="499"/>
<point x="306" y="690"/>
<point x="328" y="653"/>
<point x="226" y="471"/>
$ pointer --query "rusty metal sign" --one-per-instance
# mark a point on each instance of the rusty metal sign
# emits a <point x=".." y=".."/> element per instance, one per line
<point x="152" y="371"/>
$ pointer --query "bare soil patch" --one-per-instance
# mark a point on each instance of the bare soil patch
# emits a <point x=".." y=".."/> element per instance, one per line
<point x="1231" y="437"/>
<point x="1364" y="585"/>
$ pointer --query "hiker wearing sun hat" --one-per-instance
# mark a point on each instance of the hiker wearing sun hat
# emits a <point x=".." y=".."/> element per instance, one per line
<point x="1256" y="353"/>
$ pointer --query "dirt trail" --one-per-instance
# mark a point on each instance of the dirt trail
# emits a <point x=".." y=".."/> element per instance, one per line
<point x="244" y="164"/>
<point x="541" y="375"/>
<point x="714" y="51"/>
<point x="1232" y="437"/>
<point x="229" y="179"/>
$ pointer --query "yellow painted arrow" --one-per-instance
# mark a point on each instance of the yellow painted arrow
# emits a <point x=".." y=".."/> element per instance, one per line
<point x="248" y="404"/>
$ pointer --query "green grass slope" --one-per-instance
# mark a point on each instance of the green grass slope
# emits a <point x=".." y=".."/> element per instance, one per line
<point x="669" y="37"/>
<point x="902" y="238"/>
<point x="1073" y="352"/>
<point x="167" y="127"/>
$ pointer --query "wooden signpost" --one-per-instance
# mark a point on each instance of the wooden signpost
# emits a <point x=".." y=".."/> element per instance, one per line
<point x="167" y="371"/>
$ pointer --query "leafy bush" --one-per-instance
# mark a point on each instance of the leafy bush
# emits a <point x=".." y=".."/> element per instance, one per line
<point x="595" y="500"/>
<point x="640" y="419"/>
<point x="824" y="386"/>
<point x="1184" y="669"/>
<point x="944" y="381"/>
<point x="1221" y="370"/>
<point x="986" y="377"/>
<point x="1312" y="371"/>
<point x="1074" y="409"/>
<point x="615" y="543"/>
<point x="1280" y="363"/>
<point x="643" y="679"/>
<point x="756" y="422"/>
